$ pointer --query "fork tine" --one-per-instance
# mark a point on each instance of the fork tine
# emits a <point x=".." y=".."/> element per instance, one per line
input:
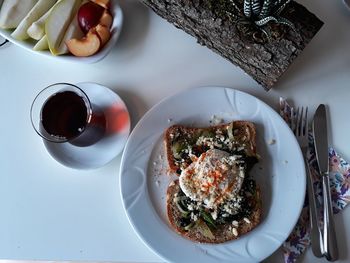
<point x="296" y="124"/>
<point x="292" y="120"/>
<point x="305" y="131"/>
<point x="300" y="121"/>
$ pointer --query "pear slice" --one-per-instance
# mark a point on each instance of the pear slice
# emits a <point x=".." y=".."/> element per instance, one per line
<point x="37" y="29"/>
<point x="73" y="31"/>
<point x="58" y="21"/>
<point x="13" y="11"/>
<point x="40" y="8"/>
<point x="42" y="44"/>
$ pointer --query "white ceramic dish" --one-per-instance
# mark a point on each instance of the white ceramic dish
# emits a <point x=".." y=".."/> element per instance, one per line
<point x="280" y="174"/>
<point x="115" y="32"/>
<point x="108" y="147"/>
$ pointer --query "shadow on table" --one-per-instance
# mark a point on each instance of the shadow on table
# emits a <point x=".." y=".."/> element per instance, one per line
<point x="135" y="26"/>
<point x="135" y="104"/>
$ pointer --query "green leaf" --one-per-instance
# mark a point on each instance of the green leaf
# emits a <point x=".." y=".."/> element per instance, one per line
<point x="256" y="7"/>
<point x="266" y="9"/>
<point x="247" y="8"/>
<point x="265" y="20"/>
<point x="204" y="229"/>
<point x="287" y="22"/>
<point x="283" y="5"/>
<point x="208" y="219"/>
<point x="188" y="227"/>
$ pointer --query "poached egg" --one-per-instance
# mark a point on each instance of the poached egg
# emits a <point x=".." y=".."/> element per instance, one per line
<point x="213" y="178"/>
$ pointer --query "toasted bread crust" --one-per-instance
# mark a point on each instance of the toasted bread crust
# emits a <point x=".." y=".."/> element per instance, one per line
<point x="223" y="233"/>
<point x="246" y="129"/>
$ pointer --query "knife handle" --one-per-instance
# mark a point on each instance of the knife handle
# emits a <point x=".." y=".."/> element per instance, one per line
<point x="315" y="232"/>
<point x="329" y="236"/>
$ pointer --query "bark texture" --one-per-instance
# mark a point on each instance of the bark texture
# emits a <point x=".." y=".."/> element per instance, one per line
<point x="264" y="61"/>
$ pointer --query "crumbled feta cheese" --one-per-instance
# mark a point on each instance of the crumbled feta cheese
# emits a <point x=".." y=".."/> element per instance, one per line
<point x="214" y="214"/>
<point x="194" y="217"/>
<point x="246" y="220"/>
<point x="241" y="172"/>
<point x="154" y="163"/>
<point x="234" y="231"/>
<point x="235" y="223"/>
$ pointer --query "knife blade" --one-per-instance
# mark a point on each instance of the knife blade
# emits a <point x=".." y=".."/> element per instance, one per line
<point x="319" y="128"/>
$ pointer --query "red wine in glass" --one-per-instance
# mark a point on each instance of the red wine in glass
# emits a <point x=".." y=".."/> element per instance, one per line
<point x="63" y="113"/>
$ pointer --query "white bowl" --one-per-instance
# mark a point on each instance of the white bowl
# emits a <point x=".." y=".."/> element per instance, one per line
<point x="115" y="32"/>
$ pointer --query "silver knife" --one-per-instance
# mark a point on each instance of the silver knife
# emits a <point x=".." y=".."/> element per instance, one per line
<point x="319" y="128"/>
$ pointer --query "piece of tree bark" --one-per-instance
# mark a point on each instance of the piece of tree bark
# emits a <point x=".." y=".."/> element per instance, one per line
<point x="265" y="61"/>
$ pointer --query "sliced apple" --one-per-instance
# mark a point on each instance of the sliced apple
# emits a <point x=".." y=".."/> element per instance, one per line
<point x="42" y="44"/>
<point x="58" y="22"/>
<point x="39" y="9"/>
<point x="106" y="19"/>
<point x="104" y="33"/>
<point x="103" y="3"/>
<point x="13" y="11"/>
<point x="86" y="46"/>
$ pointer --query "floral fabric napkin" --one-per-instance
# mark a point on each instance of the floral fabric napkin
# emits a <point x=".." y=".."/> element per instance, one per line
<point x="299" y="239"/>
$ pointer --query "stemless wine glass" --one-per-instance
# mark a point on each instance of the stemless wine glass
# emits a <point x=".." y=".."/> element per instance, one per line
<point x="63" y="113"/>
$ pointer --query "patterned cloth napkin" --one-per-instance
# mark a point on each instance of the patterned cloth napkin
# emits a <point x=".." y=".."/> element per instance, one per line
<point x="299" y="239"/>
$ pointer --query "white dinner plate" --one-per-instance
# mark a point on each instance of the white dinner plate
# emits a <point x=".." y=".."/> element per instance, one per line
<point x="115" y="32"/>
<point x="280" y="174"/>
<point x="106" y="149"/>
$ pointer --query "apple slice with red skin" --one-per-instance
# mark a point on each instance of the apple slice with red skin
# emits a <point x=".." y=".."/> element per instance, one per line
<point x="106" y="19"/>
<point x="85" y="47"/>
<point x="103" y="3"/>
<point x="104" y="33"/>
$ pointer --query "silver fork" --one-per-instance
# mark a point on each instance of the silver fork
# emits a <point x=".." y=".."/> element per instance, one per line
<point x="300" y="129"/>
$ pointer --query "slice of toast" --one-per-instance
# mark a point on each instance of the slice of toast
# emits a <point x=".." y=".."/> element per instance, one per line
<point x="223" y="232"/>
<point x="182" y="143"/>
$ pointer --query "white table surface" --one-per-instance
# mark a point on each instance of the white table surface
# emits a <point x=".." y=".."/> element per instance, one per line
<point x="50" y="212"/>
